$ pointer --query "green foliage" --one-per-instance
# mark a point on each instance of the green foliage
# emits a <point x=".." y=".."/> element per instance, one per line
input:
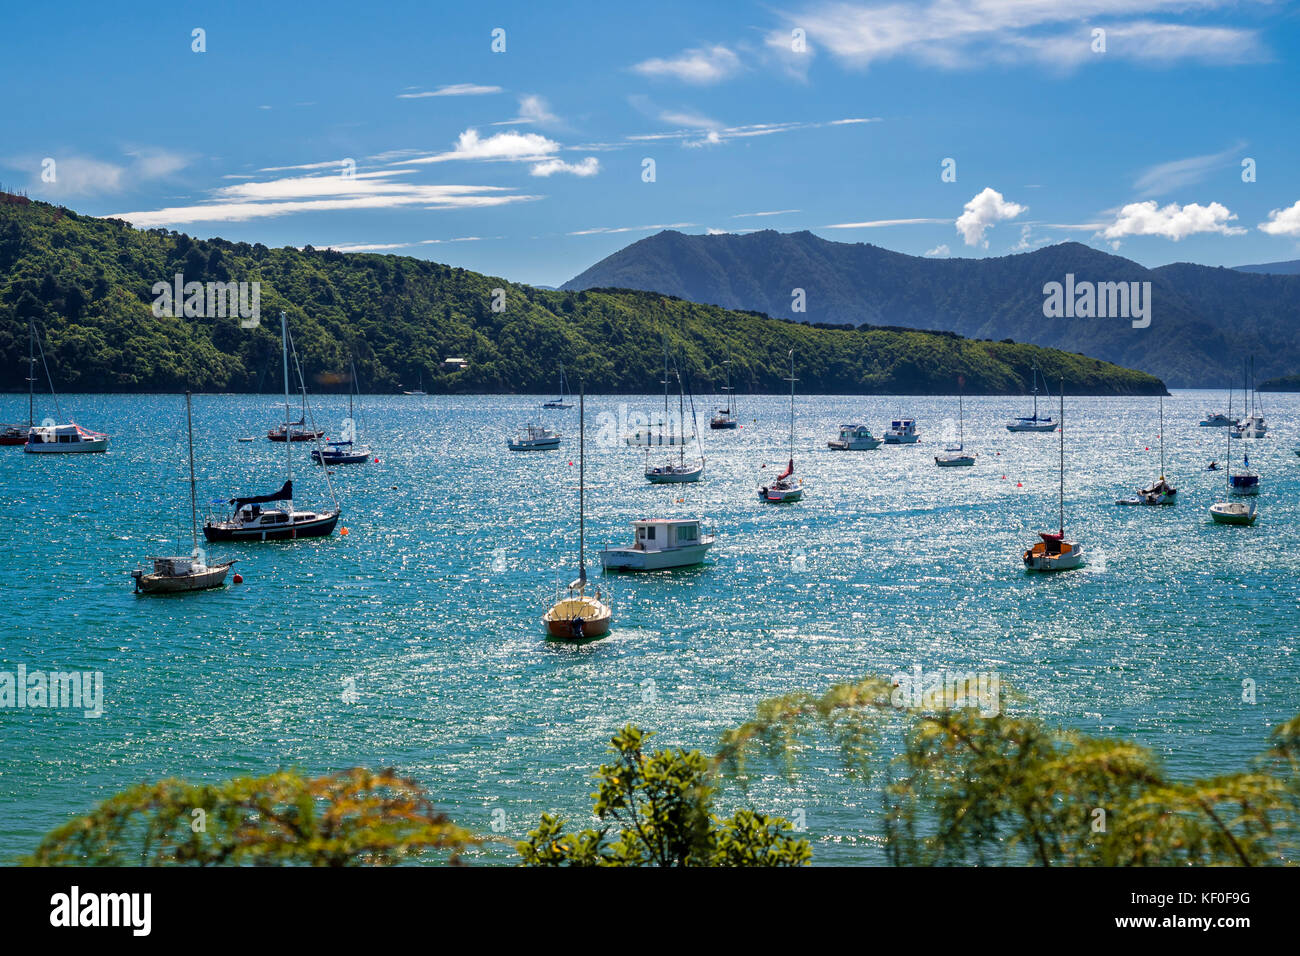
<point x="353" y="818"/>
<point x="661" y="806"/>
<point x="88" y="283"/>
<point x="961" y="788"/>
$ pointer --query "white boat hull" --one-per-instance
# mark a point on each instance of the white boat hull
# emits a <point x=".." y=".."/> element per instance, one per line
<point x="673" y="477"/>
<point x="634" y="559"/>
<point x="902" y="439"/>
<point x="954" y="461"/>
<point x="67" y="448"/>
<point x="545" y="445"/>
<point x="780" y="496"/>
<point x="1234" y="512"/>
<point x="858" y="444"/>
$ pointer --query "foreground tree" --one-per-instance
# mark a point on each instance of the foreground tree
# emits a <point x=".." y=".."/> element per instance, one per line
<point x="959" y="787"/>
<point x="357" y="817"/>
<point x="658" y="810"/>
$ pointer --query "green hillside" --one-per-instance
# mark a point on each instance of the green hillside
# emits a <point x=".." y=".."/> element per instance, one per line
<point x="88" y="283"/>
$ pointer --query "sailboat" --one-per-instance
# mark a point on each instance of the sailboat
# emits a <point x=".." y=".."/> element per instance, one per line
<point x="15" y="435"/>
<point x="59" y="439"/>
<point x="1235" y="512"/>
<point x="677" y="472"/>
<point x="420" y="390"/>
<point x="1033" y="423"/>
<point x="1159" y="492"/>
<point x="1252" y="426"/>
<point x="648" y="435"/>
<point x="1053" y="552"/>
<point x="955" y="456"/>
<point x="786" y="488"/>
<point x="191" y="572"/>
<point x="250" y="522"/>
<point x="577" y="615"/>
<point x="564" y="393"/>
<point x="296" y="431"/>
<point x="345" y="451"/>
<point x="726" y="416"/>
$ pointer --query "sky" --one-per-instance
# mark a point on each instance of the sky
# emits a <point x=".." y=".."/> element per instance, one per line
<point x="530" y="140"/>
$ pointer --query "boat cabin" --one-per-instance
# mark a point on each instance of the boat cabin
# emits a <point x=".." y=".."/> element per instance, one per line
<point x="173" y="567"/>
<point x="664" y="534"/>
<point x="903" y="426"/>
<point x="254" y="515"/>
<point x="60" y="434"/>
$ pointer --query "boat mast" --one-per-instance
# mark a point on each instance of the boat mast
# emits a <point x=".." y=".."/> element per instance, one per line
<point x="582" y="485"/>
<point x="1034" y="375"/>
<point x="664" y="425"/>
<point x="288" y="432"/>
<point x="681" y="416"/>
<point x="1162" y="438"/>
<point x="31" y="375"/>
<point x="194" y="507"/>
<point x="1062" y="426"/>
<point x="792" y="381"/>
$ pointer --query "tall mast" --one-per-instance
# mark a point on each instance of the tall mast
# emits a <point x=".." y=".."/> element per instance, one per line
<point x="1062" y="529"/>
<point x="194" y="508"/>
<point x="582" y="484"/>
<point x="792" y="404"/>
<point x="961" y="422"/>
<point x="1034" y="374"/>
<point x="31" y="375"/>
<point x="1162" y="438"/>
<point x="288" y="432"/>
<point x="681" y="416"/>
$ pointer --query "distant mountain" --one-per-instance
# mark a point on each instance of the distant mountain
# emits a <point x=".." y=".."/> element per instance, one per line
<point x="1289" y="268"/>
<point x="88" y="285"/>
<point x="1204" y="320"/>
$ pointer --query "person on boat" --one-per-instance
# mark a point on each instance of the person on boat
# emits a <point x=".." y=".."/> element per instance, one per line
<point x="1212" y="466"/>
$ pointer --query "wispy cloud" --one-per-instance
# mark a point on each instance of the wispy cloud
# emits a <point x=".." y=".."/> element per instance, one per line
<point x="940" y="251"/>
<point x="388" y="246"/>
<point x="499" y="147"/>
<point x="600" y="230"/>
<point x="1180" y="173"/>
<point x="532" y="109"/>
<point x="954" y="34"/>
<point x="589" y="166"/>
<point x="701" y="131"/>
<point x="773" y="212"/>
<point x="455" y="89"/>
<point x="881" y="223"/>
<point x="1171" y="221"/>
<point x="701" y="65"/>
<point x="77" y="175"/>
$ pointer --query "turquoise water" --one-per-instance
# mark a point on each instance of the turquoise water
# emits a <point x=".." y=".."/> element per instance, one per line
<point x="429" y="607"/>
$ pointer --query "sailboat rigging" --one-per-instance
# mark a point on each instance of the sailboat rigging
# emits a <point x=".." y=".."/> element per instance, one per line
<point x="1053" y="552"/>
<point x="565" y="393"/>
<point x="786" y="488"/>
<point x="15" y="435"/>
<point x="347" y="450"/>
<point x="1160" y="491"/>
<point x="678" y="472"/>
<point x="956" y="456"/>
<point x="1033" y="423"/>
<point x="1236" y="512"/>
<point x="726" y="416"/>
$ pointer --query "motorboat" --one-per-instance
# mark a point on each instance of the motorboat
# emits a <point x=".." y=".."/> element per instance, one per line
<point x="659" y="544"/>
<point x="902" y="431"/>
<point x="64" y="439"/>
<point x="535" y="438"/>
<point x="854" y="438"/>
<point x="1234" y="512"/>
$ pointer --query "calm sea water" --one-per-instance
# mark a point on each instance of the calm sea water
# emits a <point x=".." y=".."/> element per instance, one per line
<point x="429" y="607"/>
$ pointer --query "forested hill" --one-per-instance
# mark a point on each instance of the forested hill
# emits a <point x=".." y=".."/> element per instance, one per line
<point x="88" y="284"/>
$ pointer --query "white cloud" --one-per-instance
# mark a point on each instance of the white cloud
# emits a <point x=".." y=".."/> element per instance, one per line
<point x="702" y="131"/>
<point x="1172" y="221"/>
<point x="87" y="176"/>
<point x="455" y="89"/>
<point x="879" y="223"/>
<point x="1283" y="222"/>
<point x="387" y="246"/>
<point x="509" y="147"/>
<point x="702" y="65"/>
<point x="589" y="166"/>
<point x="953" y="34"/>
<point x="532" y="109"/>
<point x="601" y="230"/>
<point x="940" y="251"/>
<point x="773" y="212"/>
<point x="982" y="212"/>
<point x="1180" y="173"/>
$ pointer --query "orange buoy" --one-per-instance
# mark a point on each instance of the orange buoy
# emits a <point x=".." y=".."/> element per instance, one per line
<point x="1019" y="485"/>
<point x="343" y="531"/>
<point x="239" y="578"/>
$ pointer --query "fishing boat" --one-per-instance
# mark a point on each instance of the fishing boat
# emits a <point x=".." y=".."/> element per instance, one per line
<point x="1053" y="552"/>
<point x="1033" y="423"/>
<point x="565" y="393"/>
<point x="648" y="435"/>
<point x="171" y="575"/>
<point x="902" y="431"/>
<point x="54" y="439"/>
<point x="14" y="435"/>
<point x="725" y="418"/>
<point x="786" y="489"/>
<point x="659" y="544"/>
<point x="347" y="450"/>
<point x="249" y="520"/>
<point x="1234" y="512"/>
<point x="679" y="471"/>
<point x="854" y="437"/>
<point x="576" y="615"/>
<point x="956" y="456"/>
<point x="1159" y="492"/>
<point x="534" y="438"/>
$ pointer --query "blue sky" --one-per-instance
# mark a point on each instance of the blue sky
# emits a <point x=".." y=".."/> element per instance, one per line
<point x="528" y="163"/>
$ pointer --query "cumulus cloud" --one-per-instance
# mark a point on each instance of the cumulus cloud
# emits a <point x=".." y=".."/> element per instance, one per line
<point x="1171" y="221"/>
<point x="702" y="65"/>
<point x="940" y="251"/>
<point x="1283" y="222"/>
<point x="509" y="147"/>
<point x="982" y="212"/>
<point x="589" y="166"/>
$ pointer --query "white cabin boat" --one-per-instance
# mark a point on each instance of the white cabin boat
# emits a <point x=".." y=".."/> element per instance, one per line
<point x="854" y="438"/>
<point x="535" y="438"/>
<point x="660" y="543"/>
<point x="1216" y="420"/>
<point x="64" y="439"/>
<point x="902" y="431"/>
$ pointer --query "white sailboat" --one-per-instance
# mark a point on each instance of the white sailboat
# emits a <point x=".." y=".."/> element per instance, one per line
<point x="1234" y="512"/>
<point x="956" y="456"/>
<point x="677" y="472"/>
<point x="1053" y="552"/>
<point x="1253" y="425"/>
<point x="565" y="393"/>
<point x="1160" y="491"/>
<point x="726" y="416"/>
<point x="54" y="439"/>
<point x="786" y="489"/>
<point x="576" y="615"/>
<point x="1033" y="423"/>
<point x="191" y="572"/>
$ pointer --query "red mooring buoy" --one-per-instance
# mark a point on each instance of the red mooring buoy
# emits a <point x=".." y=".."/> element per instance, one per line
<point x="239" y="578"/>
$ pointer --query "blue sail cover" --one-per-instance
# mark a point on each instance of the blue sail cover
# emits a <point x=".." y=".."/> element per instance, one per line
<point x="284" y="494"/>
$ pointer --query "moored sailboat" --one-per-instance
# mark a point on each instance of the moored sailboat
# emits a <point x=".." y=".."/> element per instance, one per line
<point x="1160" y="491"/>
<point x="725" y="418"/>
<point x="1033" y="423"/>
<point x="786" y="489"/>
<point x="564" y="394"/>
<point x="576" y="615"/>
<point x="678" y="472"/>
<point x="1054" y="552"/>
<point x="172" y="575"/>
<point x="1234" y="512"/>
<point x="956" y="456"/>
<point x="348" y="450"/>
